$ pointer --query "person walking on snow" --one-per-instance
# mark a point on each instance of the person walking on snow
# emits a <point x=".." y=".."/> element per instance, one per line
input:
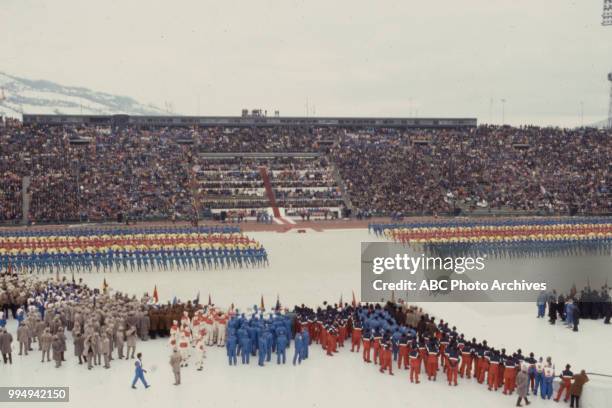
<point x="139" y="372"/>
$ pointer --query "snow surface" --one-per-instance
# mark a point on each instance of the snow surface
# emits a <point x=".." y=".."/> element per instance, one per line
<point x="310" y="268"/>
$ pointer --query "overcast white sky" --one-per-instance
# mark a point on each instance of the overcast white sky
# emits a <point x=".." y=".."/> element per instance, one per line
<point x="378" y="57"/>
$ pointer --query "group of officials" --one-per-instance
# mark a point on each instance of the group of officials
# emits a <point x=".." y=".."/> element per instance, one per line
<point x="588" y="304"/>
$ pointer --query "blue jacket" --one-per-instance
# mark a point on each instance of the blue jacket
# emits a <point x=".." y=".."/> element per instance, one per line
<point x="262" y="344"/>
<point x="139" y="371"/>
<point x="245" y="344"/>
<point x="299" y="343"/>
<point x="305" y="338"/>
<point x="542" y="298"/>
<point x="281" y="342"/>
<point x="232" y="343"/>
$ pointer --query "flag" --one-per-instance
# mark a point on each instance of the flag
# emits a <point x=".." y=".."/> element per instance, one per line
<point x="73" y="281"/>
<point x="340" y="303"/>
<point x="104" y="286"/>
<point x="232" y="307"/>
<point x="278" y="305"/>
<point x="174" y="301"/>
<point x="197" y="299"/>
<point x="155" y="294"/>
<point x="261" y="304"/>
<point x="393" y="296"/>
<point x="209" y="300"/>
<point x="354" y="303"/>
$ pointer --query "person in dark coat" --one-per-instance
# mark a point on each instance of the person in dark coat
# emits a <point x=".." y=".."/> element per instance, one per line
<point x="576" y="388"/>
<point x="165" y="321"/>
<point x="575" y="318"/>
<point x="155" y="326"/>
<point x="561" y="307"/>
<point x="608" y="310"/>
<point x="421" y="325"/>
<point x="6" y="340"/>
<point x="552" y="310"/>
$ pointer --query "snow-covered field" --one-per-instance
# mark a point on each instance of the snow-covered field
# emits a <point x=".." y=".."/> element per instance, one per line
<point x="310" y="268"/>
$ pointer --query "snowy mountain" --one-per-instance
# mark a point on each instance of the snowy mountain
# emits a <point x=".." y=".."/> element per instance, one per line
<point x="20" y="95"/>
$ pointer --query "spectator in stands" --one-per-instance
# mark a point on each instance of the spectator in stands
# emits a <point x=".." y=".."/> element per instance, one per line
<point x="91" y="173"/>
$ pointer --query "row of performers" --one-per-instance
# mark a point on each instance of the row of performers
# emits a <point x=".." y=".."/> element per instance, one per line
<point x="136" y="259"/>
<point x="557" y="230"/>
<point x="492" y="224"/>
<point x="498" y="238"/>
<point x="80" y="232"/>
<point x="238" y="334"/>
<point x="15" y="242"/>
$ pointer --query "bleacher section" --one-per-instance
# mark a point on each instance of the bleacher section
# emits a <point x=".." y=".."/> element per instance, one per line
<point x="305" y="186"/>
<point x="280" y="184"/>
<point x="10" y="197"/>
<point x="85" y="172"/>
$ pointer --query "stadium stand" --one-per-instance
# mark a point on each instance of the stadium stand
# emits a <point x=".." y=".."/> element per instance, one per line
<point x="88" y="172"/>
<point x="10" y="197"/>
<point x="269" y="181"/>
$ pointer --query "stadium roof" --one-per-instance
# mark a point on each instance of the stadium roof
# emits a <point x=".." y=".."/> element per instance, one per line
<point x="249" y="121"/>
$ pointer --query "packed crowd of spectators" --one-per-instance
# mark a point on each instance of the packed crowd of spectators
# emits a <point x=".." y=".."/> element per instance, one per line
<point x="91" y="173"/>
<point x="532" y="169"/>
<point x="10" y="197"/>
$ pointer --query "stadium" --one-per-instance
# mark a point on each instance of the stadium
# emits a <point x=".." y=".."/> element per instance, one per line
<point x="292" y="189"/>
<point x="156" y="259"/>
